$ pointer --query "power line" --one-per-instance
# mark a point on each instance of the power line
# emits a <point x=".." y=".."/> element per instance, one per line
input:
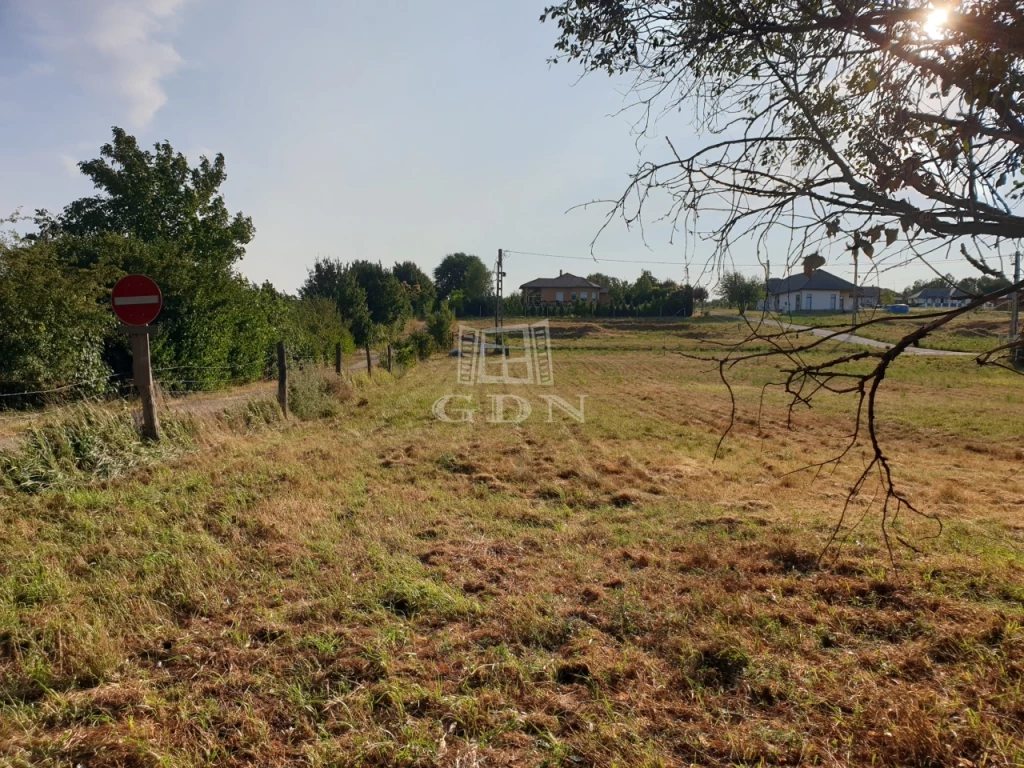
<point x="678" y="263"/>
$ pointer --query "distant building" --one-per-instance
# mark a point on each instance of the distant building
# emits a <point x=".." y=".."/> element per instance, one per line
<point x="939" y="297"/>
<point x="822" y="292"/>
<point x="564" y="289"/>
<point x="869" y="296"/>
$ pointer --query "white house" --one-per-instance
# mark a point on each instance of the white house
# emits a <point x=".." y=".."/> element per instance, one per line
<point x="939" y="297"/>
<point x="822" y="292"/>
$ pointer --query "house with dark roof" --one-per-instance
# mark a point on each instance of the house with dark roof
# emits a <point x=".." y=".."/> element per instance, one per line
<point x="564" y="289"/>
<point x="869" y="296"/>
<point x="822" y="291"/>
<point x="938" y="297"/>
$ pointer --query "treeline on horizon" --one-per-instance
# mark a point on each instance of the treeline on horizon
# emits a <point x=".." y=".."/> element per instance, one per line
<point x="155" y="214"/>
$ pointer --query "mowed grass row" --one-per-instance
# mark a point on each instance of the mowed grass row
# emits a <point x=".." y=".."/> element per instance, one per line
<point x="382" y="588"/>
<point x="977" y="331"/>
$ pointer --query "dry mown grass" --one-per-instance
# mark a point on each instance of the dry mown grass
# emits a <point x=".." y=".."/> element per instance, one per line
<point x="384" y="589"/>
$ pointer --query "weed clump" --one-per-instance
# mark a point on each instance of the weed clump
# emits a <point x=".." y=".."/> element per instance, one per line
<point x="316" y="394"/>
<point x="408" y="597"/>
<point x="717" y="666"/>
<point x="87" y="440"/>
<point x="253" y="415"/>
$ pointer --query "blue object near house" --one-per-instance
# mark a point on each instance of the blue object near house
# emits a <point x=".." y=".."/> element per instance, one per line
<point x="898" y="309"/>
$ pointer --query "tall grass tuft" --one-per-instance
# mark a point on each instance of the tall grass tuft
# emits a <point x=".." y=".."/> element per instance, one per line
<point x="87" y="440"/>
<point x="252" y="416"/>
<point x="316" y="393"/>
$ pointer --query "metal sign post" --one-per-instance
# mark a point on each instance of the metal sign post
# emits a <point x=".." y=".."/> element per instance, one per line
<point x="137" y="302"/>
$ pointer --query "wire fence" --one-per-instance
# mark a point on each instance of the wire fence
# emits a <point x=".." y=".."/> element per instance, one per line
<point x="183" y="380"/>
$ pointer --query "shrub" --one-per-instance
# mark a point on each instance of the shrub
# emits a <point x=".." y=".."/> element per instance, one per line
<point x="440" y="325"/>
<point x="422" y="344"/>
<point x="406" y="356"/>
<point x="313" y="393"/>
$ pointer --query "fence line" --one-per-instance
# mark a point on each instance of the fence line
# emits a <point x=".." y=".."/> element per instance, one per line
<point x="64" y="387"/>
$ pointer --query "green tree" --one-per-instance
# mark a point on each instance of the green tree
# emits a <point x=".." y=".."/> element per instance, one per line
<point x="311" y="328"/>
<point x="332" y="279"/>
<point x="457" y="302"/>
<point x="978" y="286"/>
<point x="419" y="288"/>
<point x="477" y="286"/>
<point x="355" y="309"/>
<point x="644" y="288"/>
<point x="463" y="272"/>
<point x="700" y="295"/>
<point x="155" y="197"/>
<point x="616" y="288"/>
<point x="886" y="296"/>
<point x="385" y="296"/>
<point x="53" y="320"/>
<point x="740" y="291"/>
<point x="154" y="213"/>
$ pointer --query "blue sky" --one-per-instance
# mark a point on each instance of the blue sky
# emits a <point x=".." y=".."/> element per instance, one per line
<point x="382" y="131"/>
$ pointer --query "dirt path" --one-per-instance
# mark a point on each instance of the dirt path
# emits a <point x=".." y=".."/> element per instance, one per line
<point x="864" y="341"/>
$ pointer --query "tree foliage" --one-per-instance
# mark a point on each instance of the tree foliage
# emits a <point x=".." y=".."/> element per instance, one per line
<point x="368" y="297"/>
<point x="467" y="274"/>
<point x="741" y="291"/>
<point x="418" y="286"/>
<point x="858" y="120"/>
<point x="52" y="326"/>
<point x="155" y="197"/>
<point x="153" y="214"/>
<point x="440" y="325"/>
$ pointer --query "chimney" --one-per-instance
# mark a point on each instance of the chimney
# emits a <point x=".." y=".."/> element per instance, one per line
<point x="559" y="273"/>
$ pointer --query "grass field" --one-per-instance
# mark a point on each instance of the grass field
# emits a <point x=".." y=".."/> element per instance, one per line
<point x="383" y="588"/>
<point x="977" y="331"/>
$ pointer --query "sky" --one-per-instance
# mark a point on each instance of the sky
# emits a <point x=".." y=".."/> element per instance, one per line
<point x="382" y="131"/>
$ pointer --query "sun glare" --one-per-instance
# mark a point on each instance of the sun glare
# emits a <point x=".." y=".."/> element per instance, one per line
<point x="936" y="24"/>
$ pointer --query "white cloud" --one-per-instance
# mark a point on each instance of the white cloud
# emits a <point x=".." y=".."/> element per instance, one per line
<point x="113" y="46"/>
<point x="70" y="165"/>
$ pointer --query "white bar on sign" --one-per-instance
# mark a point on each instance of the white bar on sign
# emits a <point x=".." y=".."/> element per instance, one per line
<point x="125" y="301"/>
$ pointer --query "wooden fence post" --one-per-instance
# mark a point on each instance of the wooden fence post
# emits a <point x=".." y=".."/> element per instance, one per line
<point x="282" y="379"/>
<point x="337" y="358"/>
<point x="142" y="372"/>
<point x="369" y="365"/>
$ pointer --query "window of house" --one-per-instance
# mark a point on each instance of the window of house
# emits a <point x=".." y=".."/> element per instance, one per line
<point x="559" y="296"/>
<point x="583" y="295"/>
<point x="572" y="297"/>
<point x="832" y="299"/>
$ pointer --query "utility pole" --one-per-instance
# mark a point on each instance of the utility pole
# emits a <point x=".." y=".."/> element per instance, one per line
<point x="855" y="265"/>
<point x="499" y="282"/>
<point x="1015" y="354"/>
<point x="282" y="379"/>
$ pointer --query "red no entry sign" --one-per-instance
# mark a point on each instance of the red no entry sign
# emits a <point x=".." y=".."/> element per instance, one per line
<point x="137" y="300"/>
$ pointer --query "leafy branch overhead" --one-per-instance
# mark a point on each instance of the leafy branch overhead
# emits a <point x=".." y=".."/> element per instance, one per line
<point x="893" y="131"/>
<point x="847" y="117"/>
